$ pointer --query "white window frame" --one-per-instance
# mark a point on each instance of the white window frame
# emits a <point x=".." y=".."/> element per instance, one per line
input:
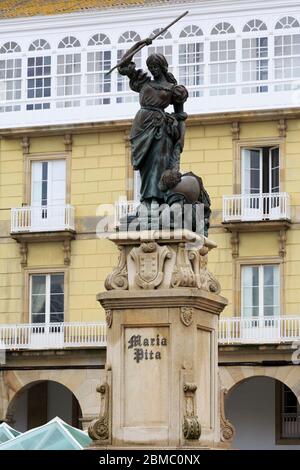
<point x="47" y="295"/>
<point x="258" y="85"/>
<point x="65" y="100"/>
<point x="198" y="66"/>
<point x="50" y="163"/>
<point x="98" y="78"/>
<point x="43" y="102"/>
<point x="261" y="314"/>
<point x="243" y="175"/>
<point x="12" y="85"/>
<point x="286" y="83"/>
<point x="227" y="87"/>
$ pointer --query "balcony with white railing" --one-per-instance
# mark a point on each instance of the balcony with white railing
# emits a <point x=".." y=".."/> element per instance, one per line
<point x="124" y="209"/>
<point x="256" y="207"/>
<point x="259" y="330"/>
<point x="42" y="219"/>
<point x="52" y="336"/>
<point x="232" y="330"/>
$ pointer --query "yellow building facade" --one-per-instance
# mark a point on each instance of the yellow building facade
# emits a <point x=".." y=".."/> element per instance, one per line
<point x="99" y="173"/>
<point x="247" y="153"/>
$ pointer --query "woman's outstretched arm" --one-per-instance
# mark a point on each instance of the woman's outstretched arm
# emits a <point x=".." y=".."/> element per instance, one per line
<point x="127" y="57"/>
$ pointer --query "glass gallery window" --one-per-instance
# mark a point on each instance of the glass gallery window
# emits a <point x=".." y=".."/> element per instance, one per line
<point x="222" y="65"/>
<point x="255" y="61"/>
<point x="191" y="59"/>
<point x="38" y="75"/>
<point x="287" y="53"/>
<point x="10" y="77"/>
<point x="98" y="64"/>
<point x="68" y="72"/>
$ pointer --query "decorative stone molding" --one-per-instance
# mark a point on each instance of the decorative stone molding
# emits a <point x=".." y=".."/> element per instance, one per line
<point x="204" y="278"/>
<point x="68" y="141"/>
<point x="235" y="244"/>
<point x="235" y="130"/>
<point x="191" y="427"/>
<point x="279" y="226"/>
<point x="108" y="317"/>
<point x="282" y="243"/>
<point x="23" y="254"/>
<point x="183" y="275"/>
<point x="99" y="429"/>
<point x="162" y="260"/>
<point x="186" y="315"/>
<point x="282" y="127"/>
<point x="67" y="251"/>
<point x="25" y="144"/>
<point x="26" y="238"/>
<point x="227" y="429"/>
<point x="149" y="259"/>
<point x="118" y="279"/>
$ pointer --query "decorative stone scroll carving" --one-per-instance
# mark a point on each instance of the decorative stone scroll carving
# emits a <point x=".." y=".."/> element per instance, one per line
<point x="186" y="315"/>
<point x="162" y="260"/>
<point x="183" y="275"/>
<point x="118" y="278"/>
<point x="191" y="427"/>
<point x="24" y="254"/>
<point x="68" y="142"/>
<point x="149" y="259"/>
<point x="67" y="251"/>
<point x="25" y="144"/>
<point x="235" y="243"/>
<point x="227" y="429"/>
<point x="204" y="278"/>
<point x="99" y="429"/>
<point x="108" y="317"/>
<point x="282" y="243"/>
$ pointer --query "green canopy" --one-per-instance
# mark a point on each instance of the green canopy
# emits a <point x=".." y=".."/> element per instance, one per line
<point x="55" y="435"/>
<point x="7" y="433"/>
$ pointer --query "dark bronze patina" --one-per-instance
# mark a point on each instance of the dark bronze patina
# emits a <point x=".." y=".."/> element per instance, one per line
<point x="157" y="136"/>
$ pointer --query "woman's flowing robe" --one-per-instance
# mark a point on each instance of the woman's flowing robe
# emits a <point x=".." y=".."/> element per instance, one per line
<point x="156" y="136"/>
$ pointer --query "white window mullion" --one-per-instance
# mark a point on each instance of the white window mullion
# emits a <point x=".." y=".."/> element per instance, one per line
<point x="271" y="63"/>
<point x="261" y="291"/>
<point x="175" y="59"/>
<point x="83" y="85"/>
<point x="48" y="279"/>
<point x="239" y="64"/>
<point x="261" y="170"/>
<point x="53" y="80"/>
<point x="24" y="82"/>
<point x="206" y="61"/>
<point x="114" y="74"/>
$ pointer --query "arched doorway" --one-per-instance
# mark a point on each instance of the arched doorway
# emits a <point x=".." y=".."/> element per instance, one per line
<point x="39" y="402"/>
<point x="265" y="414"/>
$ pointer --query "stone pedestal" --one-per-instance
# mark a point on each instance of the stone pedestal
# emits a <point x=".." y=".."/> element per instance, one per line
<point x="162" y="308"/>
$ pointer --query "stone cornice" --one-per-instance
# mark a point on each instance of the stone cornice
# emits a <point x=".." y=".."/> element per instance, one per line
<point x="182" y="297"/>
<point x="122" y="125"/>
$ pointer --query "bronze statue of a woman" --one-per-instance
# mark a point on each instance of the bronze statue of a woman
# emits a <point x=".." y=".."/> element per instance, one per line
<point x="157" y="137"/>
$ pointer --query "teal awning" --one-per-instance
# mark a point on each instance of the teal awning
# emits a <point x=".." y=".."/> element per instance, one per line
<point x="55" y="435"/>
<point x="7" y="433"/>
